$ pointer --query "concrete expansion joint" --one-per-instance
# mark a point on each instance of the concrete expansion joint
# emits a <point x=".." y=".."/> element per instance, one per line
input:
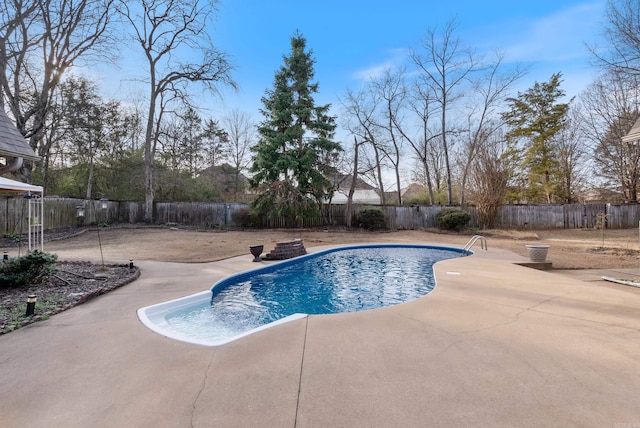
<point x="202" y="387"/>
<point x="513" y="320"/>
<point x="534" y="308"/>
<point x="304" y="347"/>
<point x="583" y="319"/>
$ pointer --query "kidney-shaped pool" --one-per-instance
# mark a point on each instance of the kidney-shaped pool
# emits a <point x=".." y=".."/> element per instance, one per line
<point x="344" y="279"/>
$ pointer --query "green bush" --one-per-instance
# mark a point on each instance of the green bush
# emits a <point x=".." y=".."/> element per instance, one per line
<point x="370" y="219"/>
<point x="244" y="217"/>
<point x="452" y="219"/>
<point x="33" y="268"/>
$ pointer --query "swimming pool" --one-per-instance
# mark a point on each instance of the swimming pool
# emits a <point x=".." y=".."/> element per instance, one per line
<point x="344" y="279"/>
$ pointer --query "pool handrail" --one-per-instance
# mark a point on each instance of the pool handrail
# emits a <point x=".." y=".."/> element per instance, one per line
<point x="473" y="240"/>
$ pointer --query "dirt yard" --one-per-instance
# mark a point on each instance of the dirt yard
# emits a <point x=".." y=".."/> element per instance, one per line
<point x="569" y="249"/>
<point x="76" y="280"/>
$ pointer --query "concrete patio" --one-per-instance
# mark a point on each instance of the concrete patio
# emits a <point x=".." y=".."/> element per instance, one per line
<point x="496" y="344"/>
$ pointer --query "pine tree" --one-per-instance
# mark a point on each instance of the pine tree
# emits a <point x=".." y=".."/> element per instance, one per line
<point x="535" y="117"/>
<point x="295" y="150"/>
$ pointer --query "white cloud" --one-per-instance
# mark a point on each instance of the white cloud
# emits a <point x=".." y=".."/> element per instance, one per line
<point x="395" y="58"/>
<point x="557" y="37"/>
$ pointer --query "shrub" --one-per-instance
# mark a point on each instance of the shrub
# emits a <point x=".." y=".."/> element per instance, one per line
<point x="244" y="217"/>
<point x="33" y="268"/>
<point x="452" y="219"/>
<point x="370" y="219"/>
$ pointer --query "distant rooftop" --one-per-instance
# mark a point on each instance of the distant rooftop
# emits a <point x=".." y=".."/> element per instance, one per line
<point x="12" y="143"/>
<point x="634" y="133"/>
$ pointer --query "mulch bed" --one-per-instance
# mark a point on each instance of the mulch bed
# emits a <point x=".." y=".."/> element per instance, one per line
<point x="73" y="283"/>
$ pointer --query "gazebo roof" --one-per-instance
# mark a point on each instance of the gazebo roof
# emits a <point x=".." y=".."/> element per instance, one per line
<point x="634" y="133"/>
<point x="12" y="143"/>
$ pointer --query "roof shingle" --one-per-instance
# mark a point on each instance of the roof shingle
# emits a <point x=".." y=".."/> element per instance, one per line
<point x="12" y="143"/>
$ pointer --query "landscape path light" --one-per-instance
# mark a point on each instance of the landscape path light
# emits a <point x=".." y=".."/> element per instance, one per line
<point x="31" y="305"/>
<point x="80" y="215"/>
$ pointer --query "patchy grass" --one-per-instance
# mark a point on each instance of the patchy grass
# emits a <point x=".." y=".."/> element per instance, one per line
<point x="614" y="251"/>
<point x="14" y="317"/>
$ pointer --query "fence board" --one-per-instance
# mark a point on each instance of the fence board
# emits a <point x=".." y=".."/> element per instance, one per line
<point x="531" y="217"/>
<point x="620" y="216"/>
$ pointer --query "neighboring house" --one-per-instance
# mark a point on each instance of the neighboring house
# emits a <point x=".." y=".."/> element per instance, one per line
<point x="363" y="194"/>
<point x="413" y="191"/>
<point x="598" y="196"/>
<point x="634" y="133"/>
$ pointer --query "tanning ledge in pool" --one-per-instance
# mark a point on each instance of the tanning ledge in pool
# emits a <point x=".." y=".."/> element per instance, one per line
<point x="154" y="318"/>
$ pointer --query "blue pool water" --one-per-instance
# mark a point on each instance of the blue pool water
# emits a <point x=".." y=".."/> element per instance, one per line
<point x="334" y="281"/>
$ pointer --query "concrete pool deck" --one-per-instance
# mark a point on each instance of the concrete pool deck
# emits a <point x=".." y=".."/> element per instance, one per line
<point x="496" y="344"/>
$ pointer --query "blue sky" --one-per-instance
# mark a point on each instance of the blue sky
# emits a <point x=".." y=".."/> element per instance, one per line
<point x="351" y="39"/>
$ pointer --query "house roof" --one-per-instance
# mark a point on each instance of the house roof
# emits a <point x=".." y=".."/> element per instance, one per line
<point x="634" y="133"/>
<point x="12" y="143"/>
<point x="343" y="181"/>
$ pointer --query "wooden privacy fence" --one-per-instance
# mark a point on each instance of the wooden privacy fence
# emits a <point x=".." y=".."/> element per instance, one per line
<point x="62" y="212"/>
<point x="196" y="213"/>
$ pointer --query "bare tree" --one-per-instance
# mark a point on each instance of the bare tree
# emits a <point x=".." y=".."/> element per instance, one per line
<point x="490" y="176"/>
<point x="16" y="17"/>
<point x="610" y="106"/>
<point x="622" y="33"/>
<point x="241" y="135"/>
<point x="422" y="105"/>
<point x="59" y="33"/>
<point x="446" y="65"/>
<point x="164" y="29"/>
<point x="572" y="154"/>
<point x="390" y="90"/>
<point x="360" y="109"/>
<point x="488" y="93"/>
<point x="354" y="182"/>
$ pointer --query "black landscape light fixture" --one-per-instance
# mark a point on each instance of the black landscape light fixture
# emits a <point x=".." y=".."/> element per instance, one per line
<point x="5" y="257"/>
<point x="31" y="305"/>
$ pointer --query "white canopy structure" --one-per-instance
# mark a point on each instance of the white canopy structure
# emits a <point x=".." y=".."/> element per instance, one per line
<point x="14" y="148"/>
<point x="12" y="186"/>
<point x="36" y="209"/>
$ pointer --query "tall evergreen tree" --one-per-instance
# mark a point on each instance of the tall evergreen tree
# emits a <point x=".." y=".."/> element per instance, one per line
<point x="535" y="118"/>
<point x="295" y="149"/>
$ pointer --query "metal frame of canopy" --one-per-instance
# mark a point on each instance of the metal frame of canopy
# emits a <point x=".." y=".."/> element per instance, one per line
<point x="35" y="214"/>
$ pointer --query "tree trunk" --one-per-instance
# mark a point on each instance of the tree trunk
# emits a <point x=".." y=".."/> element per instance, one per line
<point x="446" y="150"/>
<point x="90" y="179"/>
<point x="427" y="173"/>
<point x="148" y="159"/>
<point x="348" y="212"/>
<point x="383" y="199"/>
